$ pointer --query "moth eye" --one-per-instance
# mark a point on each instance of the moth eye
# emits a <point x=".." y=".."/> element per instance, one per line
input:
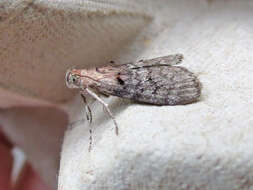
<point x="72" y="79"/>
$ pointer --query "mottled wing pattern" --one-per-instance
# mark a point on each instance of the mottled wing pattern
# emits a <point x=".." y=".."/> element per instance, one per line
<point x="160" y="84"/>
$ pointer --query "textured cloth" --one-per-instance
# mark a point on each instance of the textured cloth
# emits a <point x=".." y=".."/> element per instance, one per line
<point x="40" y="40"/>
<point x="205" y="145"/>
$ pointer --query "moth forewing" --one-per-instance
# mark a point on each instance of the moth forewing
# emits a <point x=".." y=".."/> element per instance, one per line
<point x="160" y="84"/>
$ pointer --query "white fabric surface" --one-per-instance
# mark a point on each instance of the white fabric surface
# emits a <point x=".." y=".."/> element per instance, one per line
<point x="206" y="145"/>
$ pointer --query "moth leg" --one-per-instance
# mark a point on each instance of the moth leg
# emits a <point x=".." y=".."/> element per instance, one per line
<point x="106" y="108"/>
<point x="89" y="118"/>
<point x="168" y="60"/>
<point x="173" y="59"/>
<point x="105" y="95"/>
<point x="87" y="109"/>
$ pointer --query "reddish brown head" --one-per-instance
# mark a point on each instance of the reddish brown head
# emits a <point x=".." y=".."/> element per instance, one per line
<point x="91" y="77"/>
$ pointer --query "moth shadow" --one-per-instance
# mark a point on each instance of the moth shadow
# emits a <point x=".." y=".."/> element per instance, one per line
<point x="116" y="105"/>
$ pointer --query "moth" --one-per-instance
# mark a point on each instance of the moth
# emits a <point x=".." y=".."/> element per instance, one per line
<point x="155" y="81"/>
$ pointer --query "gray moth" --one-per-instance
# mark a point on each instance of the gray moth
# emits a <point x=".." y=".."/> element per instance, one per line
<point x="157" y="81"/>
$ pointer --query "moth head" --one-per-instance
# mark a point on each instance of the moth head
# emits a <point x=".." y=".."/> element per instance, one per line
<point x="73" y="79"/>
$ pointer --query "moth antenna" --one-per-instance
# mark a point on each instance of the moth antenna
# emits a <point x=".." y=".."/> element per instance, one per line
<point x="88" y="77"/>
<point x="106" y="108"/>
<point x="90" y="145"/>
<point x="90" y="114"/>
<point x="89" y="118"/>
